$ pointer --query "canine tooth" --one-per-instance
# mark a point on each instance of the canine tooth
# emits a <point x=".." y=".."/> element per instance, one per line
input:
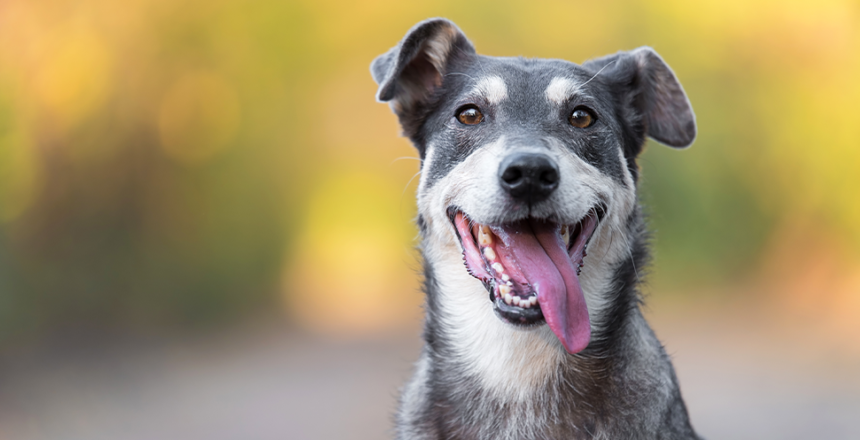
<point x="490" y="253"/>
<point x="565" y="235"/>
<point x="508" y="299"/>
<point x="505" y="277"/>
<point x="510" y="283"/>
<point x="498" y="267"/>
<point x="504" y="289"/>
<point x="484" y="236"/>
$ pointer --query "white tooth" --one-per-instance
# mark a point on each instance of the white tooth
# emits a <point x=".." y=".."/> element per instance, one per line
<point x="516" y="301"/>
<point x="484" y="237"/>
<point x="490" y="253"/>
<point x="498" y="267"/>
<point x="508" y="299"/>
<point x="510" y="284"/>
<point x="533" y="300"/>
<point x="504" y="289"/>
<point x="505" y="277"/>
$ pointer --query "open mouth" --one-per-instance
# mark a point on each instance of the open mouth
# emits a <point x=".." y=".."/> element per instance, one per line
<point x="531" y="269"/>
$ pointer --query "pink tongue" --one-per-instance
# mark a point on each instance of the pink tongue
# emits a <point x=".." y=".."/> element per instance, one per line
<point x="542" y="256"/>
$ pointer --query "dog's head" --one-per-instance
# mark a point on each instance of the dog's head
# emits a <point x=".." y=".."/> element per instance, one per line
<point x="525" y="162"/>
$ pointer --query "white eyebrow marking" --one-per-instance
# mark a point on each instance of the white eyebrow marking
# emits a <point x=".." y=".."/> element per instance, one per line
<point x="559" y="89"/>
<point x="493" y="88"/>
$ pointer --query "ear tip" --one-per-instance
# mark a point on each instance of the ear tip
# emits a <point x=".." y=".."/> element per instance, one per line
<point x="381" y="65"/>
<point x="678" y="137"/>
<point x="689" y="133"/>
<point x="453" y="32"/>
<point x="384" y="94"/>
<point x="645" y="51"/>
<point x="380" y="70"/>
<point x="437" y="21"/>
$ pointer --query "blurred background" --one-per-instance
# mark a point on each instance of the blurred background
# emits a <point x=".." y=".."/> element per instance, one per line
<point x="206" y="219"/>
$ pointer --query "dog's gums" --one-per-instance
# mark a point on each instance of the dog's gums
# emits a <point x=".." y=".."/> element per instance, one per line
<point x="531" y="269"/>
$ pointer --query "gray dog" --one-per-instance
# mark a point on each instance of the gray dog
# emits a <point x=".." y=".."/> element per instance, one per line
<point x="526" y="163"/>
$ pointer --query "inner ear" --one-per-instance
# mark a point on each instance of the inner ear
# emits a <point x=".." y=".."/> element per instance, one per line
<point x="418" y="79"/>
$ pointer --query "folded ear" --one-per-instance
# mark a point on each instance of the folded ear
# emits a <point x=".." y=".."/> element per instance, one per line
<point x="409" y="72"/>
<point x="657" y="96"/>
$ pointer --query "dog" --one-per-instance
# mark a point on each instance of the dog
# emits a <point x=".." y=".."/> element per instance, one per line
<point x="533" y="240"/>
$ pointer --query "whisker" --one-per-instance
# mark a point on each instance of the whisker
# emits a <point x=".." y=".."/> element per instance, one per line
<point x="404" y="158"/>
<point x="408" y="183"/>
<point x="481" y="65"/>
<point x="598" y="72"/>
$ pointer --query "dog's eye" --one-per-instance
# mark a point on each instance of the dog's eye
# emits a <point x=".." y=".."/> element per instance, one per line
<point x="581" y="118"/>
<point x="469" y="115"/>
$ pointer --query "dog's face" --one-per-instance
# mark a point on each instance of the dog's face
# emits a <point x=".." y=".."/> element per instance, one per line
<point x="526" y="164"/>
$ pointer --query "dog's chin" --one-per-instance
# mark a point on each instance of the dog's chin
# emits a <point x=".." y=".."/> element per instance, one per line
<point x="516" y="315"/>
<point x="530" y="267"/>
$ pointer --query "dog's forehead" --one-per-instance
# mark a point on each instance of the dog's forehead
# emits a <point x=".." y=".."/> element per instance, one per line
<point x="524" y="81"/>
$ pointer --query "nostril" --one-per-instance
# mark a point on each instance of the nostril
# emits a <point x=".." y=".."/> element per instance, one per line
<point x="512" y="175"/>
<point x="549" y="176"/>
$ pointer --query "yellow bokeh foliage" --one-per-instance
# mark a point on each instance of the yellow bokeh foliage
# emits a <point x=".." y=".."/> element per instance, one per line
<point x="168" y="158"/>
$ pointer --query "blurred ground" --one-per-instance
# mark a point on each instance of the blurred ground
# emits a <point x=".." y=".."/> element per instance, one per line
<point x="742" y="376"/>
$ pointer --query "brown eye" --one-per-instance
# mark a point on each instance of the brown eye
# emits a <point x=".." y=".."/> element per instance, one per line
<point x="581" y="118"/>
<point x="469" y="115"/>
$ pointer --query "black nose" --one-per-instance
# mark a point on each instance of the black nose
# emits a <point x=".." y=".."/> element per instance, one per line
<point x="529" y="177"/>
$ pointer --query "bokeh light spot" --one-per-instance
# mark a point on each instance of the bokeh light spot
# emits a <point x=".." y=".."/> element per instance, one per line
<point x="348" y="272"/>
<point x="74" y="77"/>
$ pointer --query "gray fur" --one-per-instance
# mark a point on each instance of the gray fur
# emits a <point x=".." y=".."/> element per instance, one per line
<point x="479" y="378"/>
